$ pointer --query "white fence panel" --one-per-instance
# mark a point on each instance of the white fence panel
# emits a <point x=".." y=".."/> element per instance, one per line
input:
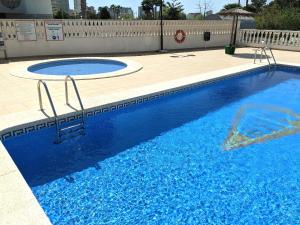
<point x="109" y="36"/>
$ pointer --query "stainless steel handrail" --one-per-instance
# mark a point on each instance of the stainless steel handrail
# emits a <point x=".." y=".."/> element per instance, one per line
<point x="273" y="56"/>
<point x="263" y="50"/>
<point x="76" y="91"/>
<point x="51" y="103"/>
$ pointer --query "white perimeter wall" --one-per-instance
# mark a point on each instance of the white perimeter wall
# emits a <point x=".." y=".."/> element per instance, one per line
<point x="92" y="37"/>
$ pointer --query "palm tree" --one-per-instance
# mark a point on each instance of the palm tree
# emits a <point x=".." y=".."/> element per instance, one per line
<point x="104" y="13"/>
<point x="118" y="10"/>
<point x="115" y="9"/>
<point x="148" y="7"/>
<point x="174" y="10"/>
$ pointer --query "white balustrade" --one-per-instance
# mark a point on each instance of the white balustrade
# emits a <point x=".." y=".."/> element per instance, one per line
<point x="277" y="39"/>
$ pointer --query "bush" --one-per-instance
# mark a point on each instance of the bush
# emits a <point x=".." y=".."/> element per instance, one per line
<point x="277" y="18"/>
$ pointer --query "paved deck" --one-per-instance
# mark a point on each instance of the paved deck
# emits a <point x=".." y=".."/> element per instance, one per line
<point x="19" y="95"/>
<point x="19" y="103"/>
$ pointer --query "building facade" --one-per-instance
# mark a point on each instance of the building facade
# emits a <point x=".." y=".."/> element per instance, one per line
<point x="91" y="9"/>
<point x="80" y="7"/>
<point x="246" y="22"/>
<point x="60" y="5"/>
<point x="141" y="12"/>
<point x="26" y="9"/>
<point x="77" y="6"/>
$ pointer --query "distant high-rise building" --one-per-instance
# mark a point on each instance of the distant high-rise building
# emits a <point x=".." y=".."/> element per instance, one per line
<point x="156" y="12"/>
<point x="77" y="6"/>
<point x="141" y="12"/>
<point x="40" y="9"/>
<point x="91" y="10"/>
<point x="80" y="7"/>
<point x="60" y="5"/>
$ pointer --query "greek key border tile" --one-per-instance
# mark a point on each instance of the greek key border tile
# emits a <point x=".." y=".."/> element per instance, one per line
<point x="127" y="103"/>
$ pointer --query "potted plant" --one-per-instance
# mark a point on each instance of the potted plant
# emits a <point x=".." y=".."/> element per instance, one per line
<point x="229" y="49"/>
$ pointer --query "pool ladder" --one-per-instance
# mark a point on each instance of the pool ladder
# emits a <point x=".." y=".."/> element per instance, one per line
<point x="63" y="132"/>
<point x="263" y="51"/>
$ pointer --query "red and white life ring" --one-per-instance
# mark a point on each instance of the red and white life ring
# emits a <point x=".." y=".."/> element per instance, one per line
<point x="180" y="36"/>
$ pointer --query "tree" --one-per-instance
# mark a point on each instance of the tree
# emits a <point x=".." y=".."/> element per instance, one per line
<point x="127" y="17"/>
<point x="199" y="17"/>
<point x="204" y="6"/>
<point x="91" y="13"/>
<point x="148" y="7"/>
<point x="104" y="13"/>
<point x="116" y="10"/>
<point x="288" y="3"/>
<point x="61" y="14"/>
<point x="91" y="16"/>
<point x="250" y="8"/>
<point x="113" y="9"/>
<point x="231" y="6"/>
<point x="279" y="16"/>
<point x="183" y="16"/>
<point x="174" y="10"/>
<point x="258" y="4"/>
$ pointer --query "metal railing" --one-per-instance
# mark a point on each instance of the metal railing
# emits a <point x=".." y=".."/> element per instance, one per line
<point x="50" y="101"/>
<point x="76" y="91"/>
<point x="263" y="50"/>
<point x="60" y="131"/>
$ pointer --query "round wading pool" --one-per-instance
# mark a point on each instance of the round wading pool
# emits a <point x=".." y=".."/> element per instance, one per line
<point x="78" y="68"/>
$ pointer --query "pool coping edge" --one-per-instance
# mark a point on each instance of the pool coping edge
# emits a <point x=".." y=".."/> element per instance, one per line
<point x="18" y="203"/>
<point x="17" y="124"/>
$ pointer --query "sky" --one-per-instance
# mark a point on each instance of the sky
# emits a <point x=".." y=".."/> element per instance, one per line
<point x="189" y="5"/>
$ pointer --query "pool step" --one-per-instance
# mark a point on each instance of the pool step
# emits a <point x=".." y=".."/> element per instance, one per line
<point x="70" y="123"/>
<point x="71" y="131"/>
<point x="72" y="128"/>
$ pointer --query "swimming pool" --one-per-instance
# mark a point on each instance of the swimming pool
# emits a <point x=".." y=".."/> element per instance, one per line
<point x="81" y="68"/>
<point x="75" y="67"/>
<point x="222" y="153"/>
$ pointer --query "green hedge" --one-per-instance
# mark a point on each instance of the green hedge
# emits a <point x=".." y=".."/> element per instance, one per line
<point x="278" y="18"/>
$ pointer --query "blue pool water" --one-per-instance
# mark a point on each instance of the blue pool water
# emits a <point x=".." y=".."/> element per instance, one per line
<point x="176" y="160"/>
<point x="77" y="67"/>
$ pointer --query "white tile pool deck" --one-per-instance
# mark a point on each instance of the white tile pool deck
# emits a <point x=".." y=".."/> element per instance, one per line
<point x="19" y="105"/>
